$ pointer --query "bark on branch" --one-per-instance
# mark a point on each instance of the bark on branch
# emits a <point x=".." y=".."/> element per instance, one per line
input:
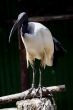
<point x="20" y="96"/>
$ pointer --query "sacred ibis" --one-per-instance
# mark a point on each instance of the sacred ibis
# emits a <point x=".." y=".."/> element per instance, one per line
<point x="38" y="41"/>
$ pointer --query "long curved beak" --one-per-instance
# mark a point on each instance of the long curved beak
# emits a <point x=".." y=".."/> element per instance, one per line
<point x="18" y="23"/>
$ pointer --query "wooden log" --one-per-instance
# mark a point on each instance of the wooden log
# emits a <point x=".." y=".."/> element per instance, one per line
<point x="20" y="96"/>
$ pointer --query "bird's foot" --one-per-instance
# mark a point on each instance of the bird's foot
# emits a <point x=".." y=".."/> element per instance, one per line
<point x="31" y="92"/>
<point x="40" y="91"/>
<point x="51" y="97"/>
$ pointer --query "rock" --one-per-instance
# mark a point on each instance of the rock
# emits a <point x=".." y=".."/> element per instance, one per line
<point x="35" y="104"/>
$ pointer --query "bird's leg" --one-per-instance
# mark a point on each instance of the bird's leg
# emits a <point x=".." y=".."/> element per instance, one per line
<point x="40" y="85"/>
<point x="32" y="89"/>
<point x="40" y="78"/>
<point x="33" y="77"/>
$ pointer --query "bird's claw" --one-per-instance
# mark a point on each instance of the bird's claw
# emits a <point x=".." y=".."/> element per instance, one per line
<point x="39" y="91"/>
<point x="32" y="92"/>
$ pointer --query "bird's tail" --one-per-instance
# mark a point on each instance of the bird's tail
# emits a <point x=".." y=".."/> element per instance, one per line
<point x="59" y="50"/>
<point x="18" y="23"/>
<point x="58" y="46"/>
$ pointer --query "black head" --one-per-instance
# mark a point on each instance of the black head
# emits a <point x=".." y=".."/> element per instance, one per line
<point x="22" y="20"/>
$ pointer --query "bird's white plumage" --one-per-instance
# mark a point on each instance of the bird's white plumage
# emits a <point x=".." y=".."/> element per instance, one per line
<point x="39" y="45"/>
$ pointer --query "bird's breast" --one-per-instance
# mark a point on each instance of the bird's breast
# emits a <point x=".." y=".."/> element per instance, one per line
<point x="39" y="46"/>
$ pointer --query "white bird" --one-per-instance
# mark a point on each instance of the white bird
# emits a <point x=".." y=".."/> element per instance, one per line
<point x="38" y="42"/>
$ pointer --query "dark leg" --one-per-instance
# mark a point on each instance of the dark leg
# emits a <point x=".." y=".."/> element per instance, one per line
<point x="32" y="89"/>
<point x="33" y="77"/>
<point x="40" y="78"/>
<point x="40" y="85"/>
<point x="40" y="81"/>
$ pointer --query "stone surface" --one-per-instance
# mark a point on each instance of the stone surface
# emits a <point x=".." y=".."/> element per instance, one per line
<point x="35" y="104"/>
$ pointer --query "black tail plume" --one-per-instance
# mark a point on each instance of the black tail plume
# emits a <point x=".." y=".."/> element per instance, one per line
<point x="59" y="50"/>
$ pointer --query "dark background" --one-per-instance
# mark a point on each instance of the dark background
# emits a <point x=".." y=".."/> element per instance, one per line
<point x="10" y="80"/>
<point x="10" y="8"/>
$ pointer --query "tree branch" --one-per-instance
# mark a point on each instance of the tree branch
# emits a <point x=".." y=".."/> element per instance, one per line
<point x="20" y="96"/>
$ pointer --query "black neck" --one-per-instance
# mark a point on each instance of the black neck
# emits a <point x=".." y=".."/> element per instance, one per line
<point x="24" y="27"/>
<point x="25" y="24"/>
